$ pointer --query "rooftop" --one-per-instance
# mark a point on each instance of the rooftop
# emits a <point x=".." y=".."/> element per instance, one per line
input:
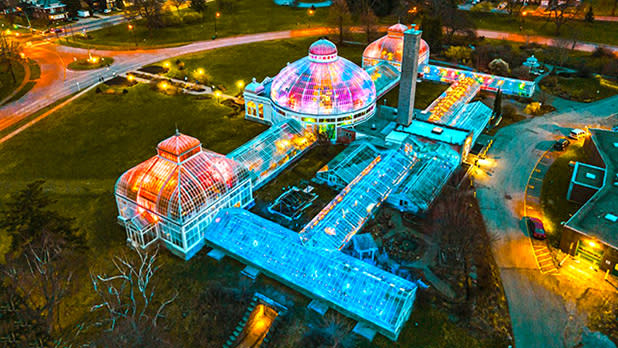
<point x="349" y="285"/>
<point x="431" y="131"/>
<point x="588" y="175"/>
<point x="595" y="217"/>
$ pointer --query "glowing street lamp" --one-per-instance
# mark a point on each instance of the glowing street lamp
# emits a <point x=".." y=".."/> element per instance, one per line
<point x="131" y="27"/>
<point x="311" y="10"/>
<point x="218" y="95"/>
<point x="217" y="15"/>
<point x="240" y="84"/>
<point x="130" y="78"/>
<point x="200" y="71"/>
<point x="166" y="65"/>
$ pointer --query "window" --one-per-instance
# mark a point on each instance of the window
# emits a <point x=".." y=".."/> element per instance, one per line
<point x="251" y="108"/>
<point x="260" y="111"/>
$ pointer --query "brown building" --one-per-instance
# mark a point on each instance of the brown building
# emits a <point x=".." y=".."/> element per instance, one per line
<point x="592" y="232"/>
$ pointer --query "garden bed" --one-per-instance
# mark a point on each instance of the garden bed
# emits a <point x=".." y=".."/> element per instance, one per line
<point x="581" y="89"/>
<point x="90" y="63"/>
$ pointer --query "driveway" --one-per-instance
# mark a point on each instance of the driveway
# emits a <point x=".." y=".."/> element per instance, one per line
<point x="538" y="315"/>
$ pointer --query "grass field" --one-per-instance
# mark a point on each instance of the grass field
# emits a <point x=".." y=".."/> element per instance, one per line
<point x="601" y="32"/>
<point x="248" y="17"/>
<point x="577" y="88"/>
<point x="556" y="208"/>
<point x="7" y="86"/>
<point x="84" y="64"/>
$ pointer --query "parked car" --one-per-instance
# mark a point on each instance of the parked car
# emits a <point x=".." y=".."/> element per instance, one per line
<point x="615" y="128"/>
<point x="561" y="144"/>
<point x="577" y="133"/>
<point x="535" y="228"/>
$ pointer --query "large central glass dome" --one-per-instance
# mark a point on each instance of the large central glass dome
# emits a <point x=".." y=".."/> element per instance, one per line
<point x="323" y="84"/>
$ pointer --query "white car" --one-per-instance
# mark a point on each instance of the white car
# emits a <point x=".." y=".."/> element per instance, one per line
<point x="577" y="133"/>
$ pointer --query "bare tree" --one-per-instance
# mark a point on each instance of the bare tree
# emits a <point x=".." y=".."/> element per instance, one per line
<point x="151" y="11"/>
<point x="131" y="301"/>
<point x="367" y="19"/>
<point x="339" y="15"/>
<point x="177" y="4"/>
<point x="561" y="11"/>
<point x="513" y="6"/>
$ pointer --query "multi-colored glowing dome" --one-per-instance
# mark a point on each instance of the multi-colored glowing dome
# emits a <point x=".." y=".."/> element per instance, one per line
<point x="323" y="84"/>
<point x="180" y="180"/>
<point x="390" y="48"/>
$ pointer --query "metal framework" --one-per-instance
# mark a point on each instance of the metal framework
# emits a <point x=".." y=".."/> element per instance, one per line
<point x="384" y="76"/>
<point x="436" y="163"/>
<point x="389" y="49"/>
<point x="270" y="152"/>
<point x="346" y="166"/>
<point x="171" y="194"/>
<point x="351" y="286"/>
<point x="447" y="106"/>
<point x="488" y="82"/>
<point x="346" y="214"/>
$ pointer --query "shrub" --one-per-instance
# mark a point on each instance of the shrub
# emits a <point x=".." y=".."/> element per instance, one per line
<point x="533" y="108"/>
<point x="124" y="91"/>
<point x="98" y="90"/>
<point x="459" y="53"/>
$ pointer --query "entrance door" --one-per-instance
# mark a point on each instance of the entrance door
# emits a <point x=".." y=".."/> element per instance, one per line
<point x="588" y="253"/>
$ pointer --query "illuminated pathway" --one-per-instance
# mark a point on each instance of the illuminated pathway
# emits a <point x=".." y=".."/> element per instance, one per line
<point x="538" y="315"/>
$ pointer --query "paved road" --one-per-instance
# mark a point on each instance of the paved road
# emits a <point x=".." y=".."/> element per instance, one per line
<point x="57" y="82"/>
<point x="538" y="315"/>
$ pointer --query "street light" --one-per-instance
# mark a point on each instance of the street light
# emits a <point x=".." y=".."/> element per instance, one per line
<point x="131" y="27"/>
<point x="240" y="84"/>
<point x="311" y="10"/>
<point x="217" y="15"/>
<point x="218" y="95"/>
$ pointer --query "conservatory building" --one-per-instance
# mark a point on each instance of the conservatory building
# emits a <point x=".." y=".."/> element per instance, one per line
<point x="174" y="195"/>
<point x="389" y="49"/>
<point x="322" y="91"/>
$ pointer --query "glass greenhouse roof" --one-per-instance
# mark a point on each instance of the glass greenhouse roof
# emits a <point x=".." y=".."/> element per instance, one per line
<point x="351" y="286"/>
<point x="384" y="76"/>
<point x="346" y="214"/>
<point x="447" y="106"/>
<point x="323" y="84"/>
<point x="436" y="163"/>
<point x="181" y="180"/>
<point x="390" y="48"/>
<point x="268" y="153"/>
<point x="350" y="162"/>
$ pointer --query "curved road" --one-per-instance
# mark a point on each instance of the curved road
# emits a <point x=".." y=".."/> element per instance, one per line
<point x="539" y="316"/>
<point x="57" y="82"/>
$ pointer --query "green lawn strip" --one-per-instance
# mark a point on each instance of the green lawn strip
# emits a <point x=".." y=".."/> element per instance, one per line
<point x="248" y="17"/>
<point x="554" y="202"/>
<point x="7" y="85"/>
<point x="601" y="32"/>
<point x="84" y="64"/>
<point x="35" y="70"/>
<point x="580" y="89"/>
<point x="31" y="117"/>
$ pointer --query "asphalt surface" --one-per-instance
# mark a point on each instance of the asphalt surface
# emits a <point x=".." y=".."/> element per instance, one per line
<point x="538" y="315"/>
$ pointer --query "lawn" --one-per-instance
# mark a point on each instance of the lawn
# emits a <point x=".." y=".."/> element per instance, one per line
<point x="248" y="17"/>
<point x="580" y="89"/>
<point x="7" y="86"/>
<point x="82" y="149"/>
<point x="602" y="32"/>
<point x="91" y="64"/>
<point x="556" y="208"/>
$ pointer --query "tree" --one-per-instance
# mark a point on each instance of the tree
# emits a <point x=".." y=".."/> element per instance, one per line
<point x="200" y="7"/>
<point x="454" y="21"/>
<point x="367" y="19"/>
<point x="44" y="250"/>
<point x="513" y="6"/>
<point x="9" y="51"/>
<point x="339" y="16"/>
<point x="432" y="32"/>
<point x="72" y="6"/>
<point x="590" y="15"/>
<point x="329" y="331"/>
<point x="22" y="326"/>
<point x="177" y="4"/>
<point x="497" y="111"/>
<point x="9" y="8"/>
<point x="150" y="10"/>
<point x="131" y="302"/>
<point x="560" y="12"/>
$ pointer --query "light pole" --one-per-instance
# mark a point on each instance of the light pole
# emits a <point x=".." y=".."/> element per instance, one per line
<point x="217" y="15"/>
<point x="133" y="33"/>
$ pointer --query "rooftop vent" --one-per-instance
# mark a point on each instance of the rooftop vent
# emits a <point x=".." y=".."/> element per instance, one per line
<point x="437" y="130"/>
<point x="611" y="217"/>
<point x="591" y="176"/>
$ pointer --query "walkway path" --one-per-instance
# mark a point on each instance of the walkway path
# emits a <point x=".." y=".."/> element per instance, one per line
<point x="56" y="82"/>
<point x="538" y="314"/>
<point x="23" y="83"/>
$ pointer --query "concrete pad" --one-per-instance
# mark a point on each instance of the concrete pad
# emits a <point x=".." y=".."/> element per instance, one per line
<point x="251" y="272"/>
<point x="216" y="254"/>
<point x="364" y="330"/>
<point x="318" y="306"/>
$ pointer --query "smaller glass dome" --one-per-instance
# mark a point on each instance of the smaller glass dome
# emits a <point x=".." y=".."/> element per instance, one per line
<point x="390" y="48"/>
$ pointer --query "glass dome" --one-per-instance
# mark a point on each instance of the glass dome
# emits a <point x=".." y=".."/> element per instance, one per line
<point x="323" y="84"/>
<point x="390" y="48"/>
<point x="181" y="180"/>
